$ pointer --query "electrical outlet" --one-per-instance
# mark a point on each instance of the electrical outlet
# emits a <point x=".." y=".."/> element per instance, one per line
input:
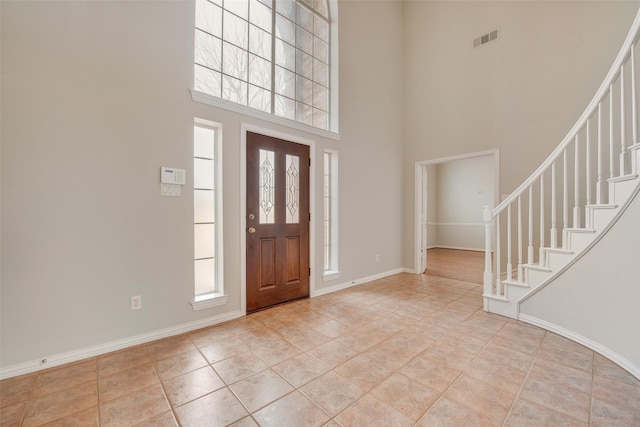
<point x="136" y="302"/>
<point x="377" y="258"/>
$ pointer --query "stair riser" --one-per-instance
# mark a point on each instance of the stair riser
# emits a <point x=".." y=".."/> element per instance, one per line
<point x="556" y="261"/>
<point x="535" y="278"/>
<point x="600" y="218"/>
<point x="579" y="241"/>
<point x="503" y="308"/>
<point x="620" y="191"/>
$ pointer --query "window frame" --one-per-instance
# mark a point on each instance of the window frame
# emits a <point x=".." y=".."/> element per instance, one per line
<point x="330" y="216"/>
<point x="332" y="128"/>
<point x="218" y="296"/>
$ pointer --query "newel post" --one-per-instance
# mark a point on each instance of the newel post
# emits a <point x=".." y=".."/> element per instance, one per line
<point x="488" y="274"/>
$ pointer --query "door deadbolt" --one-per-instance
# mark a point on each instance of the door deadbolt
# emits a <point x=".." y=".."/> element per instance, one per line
<point x="252" y="217"/>
<point x="251" y="230"/>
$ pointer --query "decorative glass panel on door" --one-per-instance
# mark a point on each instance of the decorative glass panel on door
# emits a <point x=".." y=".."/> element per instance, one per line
<point x="267" y="187"/>
<point x="293" y="189"/>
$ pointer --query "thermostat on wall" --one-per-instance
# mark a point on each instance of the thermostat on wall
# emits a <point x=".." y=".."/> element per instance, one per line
<point x="172" y="176"/>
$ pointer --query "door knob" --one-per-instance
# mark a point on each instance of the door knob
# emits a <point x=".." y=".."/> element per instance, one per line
<point x="251" y="230"/>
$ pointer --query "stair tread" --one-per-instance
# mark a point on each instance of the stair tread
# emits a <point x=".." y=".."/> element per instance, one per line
<point x="537" y="267"/>
<point x="580" y="230"/>
<point x="558" y="250"/>
<point x="603" y="206"/>
<point x="622" y="178"/>
<point x="515" y="283"/>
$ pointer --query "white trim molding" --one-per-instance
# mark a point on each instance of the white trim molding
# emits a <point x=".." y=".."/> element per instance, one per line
<point x="100" y="349"/>
<point x="593" y="345"/>
<point x="356" y="282"/>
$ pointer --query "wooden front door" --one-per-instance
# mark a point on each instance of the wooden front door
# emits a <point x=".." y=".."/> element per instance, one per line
<point x="277" y="221"/>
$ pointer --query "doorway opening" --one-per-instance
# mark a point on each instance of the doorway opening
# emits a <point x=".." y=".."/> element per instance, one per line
<point x="450" y="195"/>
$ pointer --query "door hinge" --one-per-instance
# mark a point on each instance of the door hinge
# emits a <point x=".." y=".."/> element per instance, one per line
<point x="309" y="161"/>
<point x="309" y="216"/>
<point x="309" y="271"/>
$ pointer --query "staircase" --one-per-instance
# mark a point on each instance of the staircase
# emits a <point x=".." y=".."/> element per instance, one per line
<point x="573" y="198"/>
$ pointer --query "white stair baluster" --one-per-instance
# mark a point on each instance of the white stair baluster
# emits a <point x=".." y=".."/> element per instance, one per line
<point x="565" y="199"/>
<point x="634" y="109"/>
<point x="520" y="272"/>
<point x="600" y="186"/>
<point x="623" y="147"/>
<point x="554" y="229"/>
<point x="588" y="164"/>
<point x="576" y="184"/>
<point x="530" y="220"/>
<point x="497" y="270"/>
<point x="509" y="264"/>
<point x="541" y="258"/>
<point x="611" y="149"/>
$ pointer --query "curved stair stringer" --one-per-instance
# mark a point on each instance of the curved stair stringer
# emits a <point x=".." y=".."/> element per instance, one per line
<point x="578" y="255"/>
<point x="558" y="260"/>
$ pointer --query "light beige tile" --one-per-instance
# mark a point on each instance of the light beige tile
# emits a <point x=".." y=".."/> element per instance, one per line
<point x="557" y="397"/>
<point x="487" y="399"/>
<point x="163" y="420"/>
<point x="495" y="373"/>
<point x="15" y="390"/>
<point x="605" y="368"/>
<point x="301" y="369"/>
<point x="332" y="392"/>
<point x="219" y="408"/>
<point x="239" y="367"/>
<point x="363" y="371"/>
<point x="58" y="379"/>
<point x="527" y="414"/>
<point x="370" y="411"/>
<point x="260" y="389"/>
<point x="124" y="382"/>
<point x="621" y="393"/>
<point x="170" y="346"/>
<point x="573" y="359"/>
<point x="179" y="364"/>
<point x="408" y="396"/>
<point x="430" y="372"/>
<point x="216" y="352"/>
<point x="447" y="413"/>
<point x="134" y="408"/>
<point x="333" y="353"/>
<point x="293" y="410"/>
<point x="13" y="415"/>
<point x="192" y="385"/>
<point x="113" y="363"/>
<point x="61" y="404"/>
<point x="276" y="352"/>
<point x="611" y="414"/>
<point x="563" y="375"/>
<point x="86" y="418"/>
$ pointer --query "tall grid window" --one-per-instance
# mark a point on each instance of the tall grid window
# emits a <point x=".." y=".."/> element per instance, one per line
<point x="330" y="215"/>
<point x="206" y="213"/>
<point x="269" y="55"/>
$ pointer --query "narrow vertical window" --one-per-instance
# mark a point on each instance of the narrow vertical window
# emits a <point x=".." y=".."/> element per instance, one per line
<point x="206" y="215"/>
<point x="330" y="248"/>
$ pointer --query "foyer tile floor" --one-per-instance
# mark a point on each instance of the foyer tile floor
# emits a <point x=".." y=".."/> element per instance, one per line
<point x="408" y="350"/>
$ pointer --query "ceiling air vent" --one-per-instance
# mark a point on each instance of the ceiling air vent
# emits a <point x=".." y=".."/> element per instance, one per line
<point x="485" y="38"/>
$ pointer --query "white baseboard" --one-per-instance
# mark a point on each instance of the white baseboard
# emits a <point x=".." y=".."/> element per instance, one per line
<point x="357" y="282"/>
<point x="97" y="350"/>
<point x="456" y="248"/>
<point x="83" y="353"/>
<point x="597" y="347"/>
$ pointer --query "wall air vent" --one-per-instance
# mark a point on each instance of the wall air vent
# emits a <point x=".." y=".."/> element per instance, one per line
<point x="485" y="38"/>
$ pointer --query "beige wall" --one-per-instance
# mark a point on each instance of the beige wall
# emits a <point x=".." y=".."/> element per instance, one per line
<point x="95" y="99"/>
<point x="520" y="94"/>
